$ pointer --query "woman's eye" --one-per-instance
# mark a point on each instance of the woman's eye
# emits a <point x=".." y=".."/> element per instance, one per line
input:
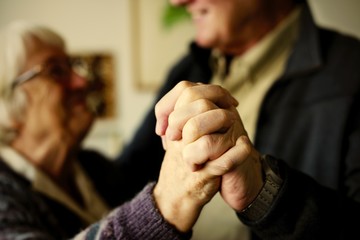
<point x="59" y="72"/>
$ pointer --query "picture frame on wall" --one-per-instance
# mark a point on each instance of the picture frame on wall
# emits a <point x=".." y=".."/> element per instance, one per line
<point x="98" y="69"/>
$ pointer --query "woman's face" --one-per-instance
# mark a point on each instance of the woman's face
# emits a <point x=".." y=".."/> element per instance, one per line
<point x="57" y="96"/>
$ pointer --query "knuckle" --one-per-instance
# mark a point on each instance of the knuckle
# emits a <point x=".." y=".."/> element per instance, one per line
<point x="188" y="93"/>
<point x="246" y="147"/>
<point x="171" y="119"/>
<point x="157" y="109"/>
<point x="184" y="84"/>
<point x="220" y="90"/>
<point x="221" y="114"/>
<point x="205" y="105"/>
<point x="225" y="165"/>
<point x="191" y="128"/>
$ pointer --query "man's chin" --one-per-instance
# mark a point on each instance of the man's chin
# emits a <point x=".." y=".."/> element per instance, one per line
<point x="205" y="42"/>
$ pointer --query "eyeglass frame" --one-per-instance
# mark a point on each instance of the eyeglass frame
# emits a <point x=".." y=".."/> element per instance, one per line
<point x="28" y="75"/>
<point x="34" y="72"/>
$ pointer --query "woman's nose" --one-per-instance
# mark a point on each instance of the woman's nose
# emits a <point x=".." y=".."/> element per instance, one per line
<point x="77" y="81"/>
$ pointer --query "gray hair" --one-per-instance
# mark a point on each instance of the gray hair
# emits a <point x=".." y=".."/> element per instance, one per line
<point x="16" y="41"/>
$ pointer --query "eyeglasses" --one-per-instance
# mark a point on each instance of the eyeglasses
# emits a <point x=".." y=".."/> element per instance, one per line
<point x="59" y="71"/>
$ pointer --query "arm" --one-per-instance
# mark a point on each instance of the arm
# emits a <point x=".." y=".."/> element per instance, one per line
<point x="136" y="219"/>
<point x="303" y="208"/>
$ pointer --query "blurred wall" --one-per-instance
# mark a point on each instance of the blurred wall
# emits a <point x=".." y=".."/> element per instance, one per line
<point x="108" y="25"/>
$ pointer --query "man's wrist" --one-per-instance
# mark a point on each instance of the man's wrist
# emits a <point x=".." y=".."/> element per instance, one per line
<point x="262" y="203"/>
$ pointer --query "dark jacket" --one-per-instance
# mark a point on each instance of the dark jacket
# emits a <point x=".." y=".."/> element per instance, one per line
<point x="309" y="119"/>
<point x="31" y="213"/>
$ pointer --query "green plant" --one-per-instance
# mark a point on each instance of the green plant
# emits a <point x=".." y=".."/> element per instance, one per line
<point x="173" y="15"/>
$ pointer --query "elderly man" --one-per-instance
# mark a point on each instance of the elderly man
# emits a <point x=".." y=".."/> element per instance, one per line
<point x="298" y="91"/>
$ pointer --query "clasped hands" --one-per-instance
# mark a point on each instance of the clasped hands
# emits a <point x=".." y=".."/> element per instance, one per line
<point x="207" y="150"/>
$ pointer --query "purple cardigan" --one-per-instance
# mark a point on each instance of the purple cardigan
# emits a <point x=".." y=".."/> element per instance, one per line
<point x="136" y="219"/>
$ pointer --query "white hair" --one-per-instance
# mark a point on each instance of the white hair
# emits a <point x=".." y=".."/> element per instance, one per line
<point x="16" y="42"/>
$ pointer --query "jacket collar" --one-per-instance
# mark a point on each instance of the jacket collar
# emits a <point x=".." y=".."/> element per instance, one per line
<point x="306" y="47"/>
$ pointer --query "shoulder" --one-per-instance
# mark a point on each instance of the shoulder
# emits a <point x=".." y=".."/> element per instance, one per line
<point x="19" y="204"/>
<point x="10" y="180"/>
<point x="341" y="57"/>
<point x="343" y="46"/>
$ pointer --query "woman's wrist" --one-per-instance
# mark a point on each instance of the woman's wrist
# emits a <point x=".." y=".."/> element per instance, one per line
<point x="180" y="212"/>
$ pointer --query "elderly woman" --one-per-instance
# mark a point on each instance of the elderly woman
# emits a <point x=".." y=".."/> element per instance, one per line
<point x="44" y="118"/>
<point x="50" y="188"/>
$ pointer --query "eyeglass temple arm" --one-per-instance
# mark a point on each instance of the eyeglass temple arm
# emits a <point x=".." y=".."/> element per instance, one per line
<point x="26" y="76"/>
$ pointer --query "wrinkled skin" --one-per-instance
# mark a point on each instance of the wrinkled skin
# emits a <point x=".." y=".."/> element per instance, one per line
<point x="207" y="150"/>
